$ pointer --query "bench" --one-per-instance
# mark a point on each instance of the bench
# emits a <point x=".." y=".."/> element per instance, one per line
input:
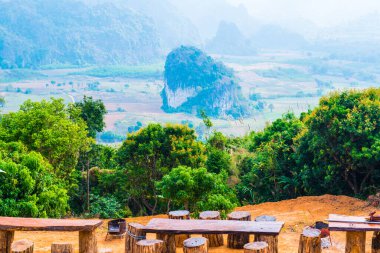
<point x="355" y="228"/>
<point x="166" y="229"/>
<point x="86" y="228"/>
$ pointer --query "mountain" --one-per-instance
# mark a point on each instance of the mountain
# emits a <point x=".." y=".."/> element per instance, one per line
<point x="276" y="37"/>
<point x="207" y="15"/>
<point x="195" y="82"/>
<point x="173" y="29"/>
<point x="230" y="41"/>
<point x="41" y="32"/>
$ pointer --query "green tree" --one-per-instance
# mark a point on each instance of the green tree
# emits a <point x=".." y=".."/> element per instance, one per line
<point x="218" y="158"/>
<point x="92" y="112"/>
<point x="274" y="174"/>
<point x="341" y="147"/>
<point x="196" y="190"/>
<point x="147" y="155"/>
<point x="28" y="187"/>
<point x="48" y="128"/>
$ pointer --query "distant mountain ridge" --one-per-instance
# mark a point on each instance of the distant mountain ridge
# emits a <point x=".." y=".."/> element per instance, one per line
<point x="230" y="41"/>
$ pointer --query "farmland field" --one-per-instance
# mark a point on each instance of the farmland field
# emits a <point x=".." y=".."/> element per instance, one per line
<point x="274" y="82"/>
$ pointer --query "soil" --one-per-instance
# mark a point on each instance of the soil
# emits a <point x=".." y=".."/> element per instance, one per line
<point x="296" y="213"/>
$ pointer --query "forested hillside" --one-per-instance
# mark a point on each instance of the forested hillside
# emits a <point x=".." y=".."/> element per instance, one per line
<point x="43" y="32"/>
<point x="54" y="168"/>
<point x="195" y="82"/>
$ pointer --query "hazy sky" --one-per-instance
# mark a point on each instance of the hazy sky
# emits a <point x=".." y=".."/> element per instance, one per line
<point x="320" y="12"/>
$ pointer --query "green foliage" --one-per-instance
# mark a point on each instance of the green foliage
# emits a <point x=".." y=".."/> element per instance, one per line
<point x="152" y="152"/>
<point x="271" y="170"/>
<point x="92" y="112"/>
<point x="107" y="207"/>
<point x="48" y="128"/>
<point x="28" y="187"/>
<point x="196" y="190"/>
<point x="341" y="146"/>
<point x="218" y="158"/>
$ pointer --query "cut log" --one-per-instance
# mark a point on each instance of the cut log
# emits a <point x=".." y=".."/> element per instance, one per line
<point x="63" y="247"/>
<point x="169" y="242"/>
<point x="256" y="247"/>
<point x="271" y="240"/>
<point x="310" y="241"/>
<point x="214" y="240"/>
<point x="180" y="215"/>
<point x="195" y="245"/>
<point x="22" y="246"/>
<point x="87" y="242"/>
<point x="6" y="239"/>
<point x="376" y="242"/>
<point x="237" y="241"/>
<point x="134" y="234"/>
<point x="150" y="246"/>
<point x="355" y="242"/>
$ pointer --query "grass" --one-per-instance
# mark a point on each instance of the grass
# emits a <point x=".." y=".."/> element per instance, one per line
<point x="153" y="71"/>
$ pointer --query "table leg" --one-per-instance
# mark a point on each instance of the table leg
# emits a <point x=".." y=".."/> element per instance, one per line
<point x="6" y="239"/>
<point x="87" y="242"/>
<point x="169" y="242"/>
<point x="355" y="242"/>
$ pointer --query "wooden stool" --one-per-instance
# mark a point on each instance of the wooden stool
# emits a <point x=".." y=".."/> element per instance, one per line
<point x="214" y="240"/>
<point x="355" y="241"/>
<point x="195" y="245"/>
<point x="310" y="241"/>
<point x="150" y="246"/>
<point x="180" y="215"/>
<point x="105" y="251"/>
<point x="237" y="241"/>
<point x="376" y="242"/>
<point x="62" y="247"/>
<point x="22" y="246"/>
<point x="134" y="234"/>
<point x="271" y="240"/>
<point x="256" y="247"/>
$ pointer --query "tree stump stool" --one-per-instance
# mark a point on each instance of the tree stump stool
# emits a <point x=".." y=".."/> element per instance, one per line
<point x="150" y="246"/>
<point x="256" y="247"/>
<point x="134" y="234"/>
<point x="62" y="247"/>
<point x="310" y="241"/>
<point x="180" y="215"/>
<point x="195" y="245"/>
<point x="376" y="242"/>
<point x="6" y="239"/>
<point x="169" y="242"/>
<point x="271" y="240"/>
<point x="22" y="246"/>
<point x="237" y="241"/>
<point x="355" y="242"/>
<point x="214" y="240"/>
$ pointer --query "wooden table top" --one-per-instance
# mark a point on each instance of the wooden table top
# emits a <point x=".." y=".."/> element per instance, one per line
<point x="33" y="224"/>
<point x="351" y="223"/>
<point x="170" y="226"/>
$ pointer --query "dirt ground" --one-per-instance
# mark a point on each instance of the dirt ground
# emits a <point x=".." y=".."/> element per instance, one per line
<point x="296" y="213"/>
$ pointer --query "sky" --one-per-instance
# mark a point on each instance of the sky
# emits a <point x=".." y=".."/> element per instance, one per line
<point x="323" y="13"/>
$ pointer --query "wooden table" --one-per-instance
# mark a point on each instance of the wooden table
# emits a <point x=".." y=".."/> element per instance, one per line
<point x="166" y="228"/>
<point x="86" y="228"/>
<point x="355" y="228"/>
